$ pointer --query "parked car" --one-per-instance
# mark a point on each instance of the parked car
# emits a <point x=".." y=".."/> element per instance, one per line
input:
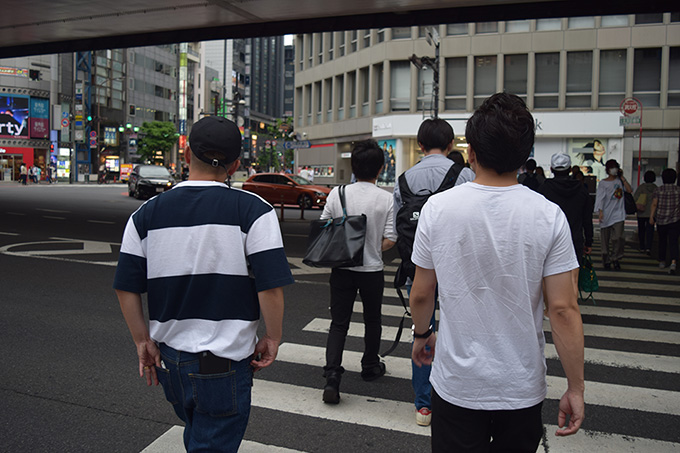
<point x="289" y="189"/>
<point x="148" y="180"/>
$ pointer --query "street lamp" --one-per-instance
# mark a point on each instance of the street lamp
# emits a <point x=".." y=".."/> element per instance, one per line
<point x="432" y="38"/>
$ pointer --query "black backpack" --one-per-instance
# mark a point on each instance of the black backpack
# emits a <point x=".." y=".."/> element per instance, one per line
<point x="407" y="221"/>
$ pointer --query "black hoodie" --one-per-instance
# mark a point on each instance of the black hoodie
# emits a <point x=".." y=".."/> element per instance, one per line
<point x="572" y="196"/>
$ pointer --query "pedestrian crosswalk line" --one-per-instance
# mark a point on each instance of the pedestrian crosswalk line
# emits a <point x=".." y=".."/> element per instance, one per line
<point x="356" y="329"/>
<point x="599" y="393"/>
<point x="635" y="298"/>
<point x="658" y="276"/>
<point x="172" y="441"/>
<point x="398" y="311"/>
<point x="619" y="359"/>
<point x="594" y="441"/>
<point x="355" y="409"/>
<point x="645" y="286"/>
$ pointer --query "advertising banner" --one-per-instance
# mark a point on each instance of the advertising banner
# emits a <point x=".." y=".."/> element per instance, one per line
<point x="14" y="116"/>
<point x="590" y="155"/>
<point x="39" y="120"/>
<point x="387" y="176"/>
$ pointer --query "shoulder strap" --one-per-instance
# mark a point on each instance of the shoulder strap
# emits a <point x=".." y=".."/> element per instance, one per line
<point x="341" y="192"/>
<point x="404" y="189"/>
<point x="450" y="178"/>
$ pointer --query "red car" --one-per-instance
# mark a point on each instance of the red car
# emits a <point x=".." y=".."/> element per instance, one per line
<point x="289" y="189"/>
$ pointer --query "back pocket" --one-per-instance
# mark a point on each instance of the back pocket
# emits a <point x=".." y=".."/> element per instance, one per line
<point x="164" y="379"/>
<point x="215" y="394"/>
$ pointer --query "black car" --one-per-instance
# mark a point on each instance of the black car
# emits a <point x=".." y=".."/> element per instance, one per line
<point x="148" y="180"/>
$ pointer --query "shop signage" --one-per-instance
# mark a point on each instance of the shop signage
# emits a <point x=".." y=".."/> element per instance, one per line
<point x="14" y="72"/>
<point x="304" y="144"/>
<point x="14" y="116"/>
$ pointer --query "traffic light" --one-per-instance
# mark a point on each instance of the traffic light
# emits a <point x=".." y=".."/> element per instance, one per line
<point x="34" y="74"/>
<point x="89" y="118"/>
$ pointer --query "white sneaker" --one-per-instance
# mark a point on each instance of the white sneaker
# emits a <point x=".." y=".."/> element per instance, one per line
<point x="662" y="264"/>
<point x="672" y="269"/>
<point x="423" y="416"/>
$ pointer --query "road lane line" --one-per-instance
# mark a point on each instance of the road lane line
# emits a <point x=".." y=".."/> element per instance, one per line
<point x="9" y="234"/>
<point x="595" y="441"/>
<point x="102" y="221"/>
<point x="53" y="217"/>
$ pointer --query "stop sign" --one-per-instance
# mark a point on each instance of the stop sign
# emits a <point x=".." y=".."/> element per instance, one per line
<point x="630" y="106"/>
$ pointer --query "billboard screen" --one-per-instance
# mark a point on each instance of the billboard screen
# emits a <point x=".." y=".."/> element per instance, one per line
<point x="40" y="118"/>
<point x="14" y="116"/>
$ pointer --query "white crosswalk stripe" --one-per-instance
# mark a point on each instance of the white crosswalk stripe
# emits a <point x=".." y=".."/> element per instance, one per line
<point x="633" y="327"/>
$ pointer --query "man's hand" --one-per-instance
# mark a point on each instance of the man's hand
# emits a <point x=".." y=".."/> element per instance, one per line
<point x="587" y="250"/>
<point x="266" y="349"/>
<point x="423" y="350"/>
<point x="572" y="405"/>
<point x="149" y="359"/>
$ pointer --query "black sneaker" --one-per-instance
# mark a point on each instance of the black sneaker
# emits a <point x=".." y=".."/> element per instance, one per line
<point x="331" y="392"/>
<point x="371" y="374"/>
<point x="617" y="266"/>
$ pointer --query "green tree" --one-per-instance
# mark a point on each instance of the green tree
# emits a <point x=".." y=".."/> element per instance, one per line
<point x="280" y="132"/>
<point x="156" y="136"/>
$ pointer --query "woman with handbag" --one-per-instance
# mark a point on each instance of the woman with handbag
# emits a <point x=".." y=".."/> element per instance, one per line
<point x="609" y="205"/>
<point x="362" y="197"/>
<point x="643" y="200"/>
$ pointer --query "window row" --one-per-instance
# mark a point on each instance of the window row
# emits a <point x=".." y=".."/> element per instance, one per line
<point x="555" y="80"/>
<point x="318" y="48"/>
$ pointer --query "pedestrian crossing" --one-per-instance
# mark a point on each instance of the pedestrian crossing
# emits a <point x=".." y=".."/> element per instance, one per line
<point x="632" y="373"/>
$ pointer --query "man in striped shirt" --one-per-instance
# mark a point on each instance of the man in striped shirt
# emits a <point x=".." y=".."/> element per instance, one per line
<point x="211" y="259"/>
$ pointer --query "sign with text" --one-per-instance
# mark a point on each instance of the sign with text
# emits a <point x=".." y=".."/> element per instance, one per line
<point x="14" y="116"/>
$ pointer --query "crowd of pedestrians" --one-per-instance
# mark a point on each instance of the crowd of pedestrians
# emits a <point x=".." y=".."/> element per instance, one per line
<point x="34" y="174"/>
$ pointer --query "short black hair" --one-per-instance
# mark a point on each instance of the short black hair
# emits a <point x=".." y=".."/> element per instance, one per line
<point x="457" y="157"/>
<point x="650" y="176"/>
<point x="435" y="133"/>
<point x="611" y="163"/>
<point x="367" y="159"/>
<point x="530" y="165"/>
<point x="668" y="176"/>
<point x="501" y="133"/>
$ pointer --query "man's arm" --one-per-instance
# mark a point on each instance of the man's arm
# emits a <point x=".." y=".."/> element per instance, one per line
<point x="587" y="224"/>
<point x="271" y="306"/>
<point x="147" y="350"/>
<point x="652" y="213"/>
<point x="567" y="333"/>
<point x="421" y="301"/>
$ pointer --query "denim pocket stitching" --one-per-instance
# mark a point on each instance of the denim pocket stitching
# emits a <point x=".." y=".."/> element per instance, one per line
<point x="196" y="379"/>
<point x="164" y="379"/>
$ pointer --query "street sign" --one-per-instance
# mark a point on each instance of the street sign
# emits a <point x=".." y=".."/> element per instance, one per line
<point x="93" y="143"/>
<point x="297" y="145"/>
<point x="64" y="122"/>
<point x="628" y="120"/>
<point x="630" y="106"/>
<point x="93" y="134"/>
<point x="64" y="114"/>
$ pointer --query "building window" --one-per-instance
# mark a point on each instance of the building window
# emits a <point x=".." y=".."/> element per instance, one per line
<point x="319" y="102"/>
<point x="579" y="79"/>
<point x="674" y="77"/>
<point x="381" y="35"/>
<point x="547" y="80"/>
<point x="422" y="30"/>
<point x="619" y="20"/>
<point x="401" y="33"/>
<point x="516" y="26"/>
<point x="647" y="76"/>
<point x="341" y="44"/>
<point x="456" y="83"/>
<point x="581" y="22"/>
<point x="298" y="105"/>
<point x="401" y="86"/>
<point x="486" y="27"/>
<point x="612" y="78"/>
<point x="485" y="78"/>
<point x="548" y="24"/>
<point x="379" y="73"/>
<point x="653" y="18"/>
<point x="456" y="29"/>
<point x="515" y="75"/>
<point x="354" y="43"/>
<point x="308" y="104"/>
<point x="675" y="17"/>
<point x="328" y="90"/>
<point x="320" y="56"/>
<point x="310" y="48"/>
<point x="425" y="85"/>
<point x="363" y="75"/>
<point x="367" y="38"/>
<point x="352" y="89"/>
<point x="340" y="96"/>
<point x="331" y="45"/>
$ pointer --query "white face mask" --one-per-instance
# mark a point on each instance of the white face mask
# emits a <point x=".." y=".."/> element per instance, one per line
<point x="614" y="171"/>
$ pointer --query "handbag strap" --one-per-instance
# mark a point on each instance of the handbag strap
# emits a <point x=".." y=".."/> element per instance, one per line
<point x="341" y="192"/>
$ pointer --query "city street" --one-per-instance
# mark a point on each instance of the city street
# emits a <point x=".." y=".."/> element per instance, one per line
<point x="69" y="377"/>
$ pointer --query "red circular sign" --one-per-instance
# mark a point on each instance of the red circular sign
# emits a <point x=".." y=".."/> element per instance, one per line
<point x="630" y="106"/>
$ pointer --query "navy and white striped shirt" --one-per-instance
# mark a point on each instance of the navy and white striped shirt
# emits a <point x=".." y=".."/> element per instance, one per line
<point x="202" y="251"/>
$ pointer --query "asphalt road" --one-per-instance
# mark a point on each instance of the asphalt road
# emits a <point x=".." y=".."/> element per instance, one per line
<point x="69" y="380"/>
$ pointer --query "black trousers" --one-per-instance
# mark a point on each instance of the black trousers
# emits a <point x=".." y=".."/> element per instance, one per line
<point x="668" y="240"/>
<point x="344" y="286"/>
<point x="457" y="429"/>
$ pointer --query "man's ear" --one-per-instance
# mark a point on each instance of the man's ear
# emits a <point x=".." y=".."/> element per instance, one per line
<point x="233" y="167"/>
<point x="187" y="154"/>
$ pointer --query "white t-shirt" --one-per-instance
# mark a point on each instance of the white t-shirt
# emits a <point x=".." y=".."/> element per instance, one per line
<point x="490" y="248"/>
<point x="376" y="203"/>
<point x="609" y="199"/>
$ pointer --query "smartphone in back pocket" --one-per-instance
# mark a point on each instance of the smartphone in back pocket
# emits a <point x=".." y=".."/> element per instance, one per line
<point x="209" y="363"/>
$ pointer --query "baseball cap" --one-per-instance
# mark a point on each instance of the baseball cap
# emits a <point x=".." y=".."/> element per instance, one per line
<point x="215" y="134"/>
<point x="560" y="161"/>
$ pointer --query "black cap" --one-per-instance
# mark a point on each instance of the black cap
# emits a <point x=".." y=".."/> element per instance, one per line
<point x="216" y="134"/>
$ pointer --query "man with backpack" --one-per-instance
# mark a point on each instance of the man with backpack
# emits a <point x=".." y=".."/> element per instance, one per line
<point x="434" y="173"/>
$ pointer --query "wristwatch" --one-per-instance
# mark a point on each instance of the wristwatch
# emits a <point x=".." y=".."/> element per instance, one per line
<point x="426" y="334"/>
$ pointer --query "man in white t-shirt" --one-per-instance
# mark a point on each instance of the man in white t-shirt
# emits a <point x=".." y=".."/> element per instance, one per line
<point x="491" y="246"/>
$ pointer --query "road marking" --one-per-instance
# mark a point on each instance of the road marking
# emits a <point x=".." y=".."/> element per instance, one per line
<point x="88" y="248"/>
<point x="106" y="222"/>
<point x="56" y="211"/>
<point x="590" y="441"/>
<point x="53" y="217"/>
<point x="606" y="394"/>
<point x="9" y="234"/>
<point x="16" y="213"/>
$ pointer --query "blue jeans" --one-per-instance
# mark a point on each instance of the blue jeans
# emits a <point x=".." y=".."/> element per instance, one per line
<point x="214" y="407"/>
<point x="420" y="375"/>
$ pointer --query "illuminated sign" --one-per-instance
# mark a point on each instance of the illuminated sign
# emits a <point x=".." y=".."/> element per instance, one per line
<point x="39" y="121"/>
<point x="14" y="116"/>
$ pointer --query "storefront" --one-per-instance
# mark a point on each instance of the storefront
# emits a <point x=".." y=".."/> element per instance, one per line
<point x="591" y="138"/>
<point x="11" y="160"/>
